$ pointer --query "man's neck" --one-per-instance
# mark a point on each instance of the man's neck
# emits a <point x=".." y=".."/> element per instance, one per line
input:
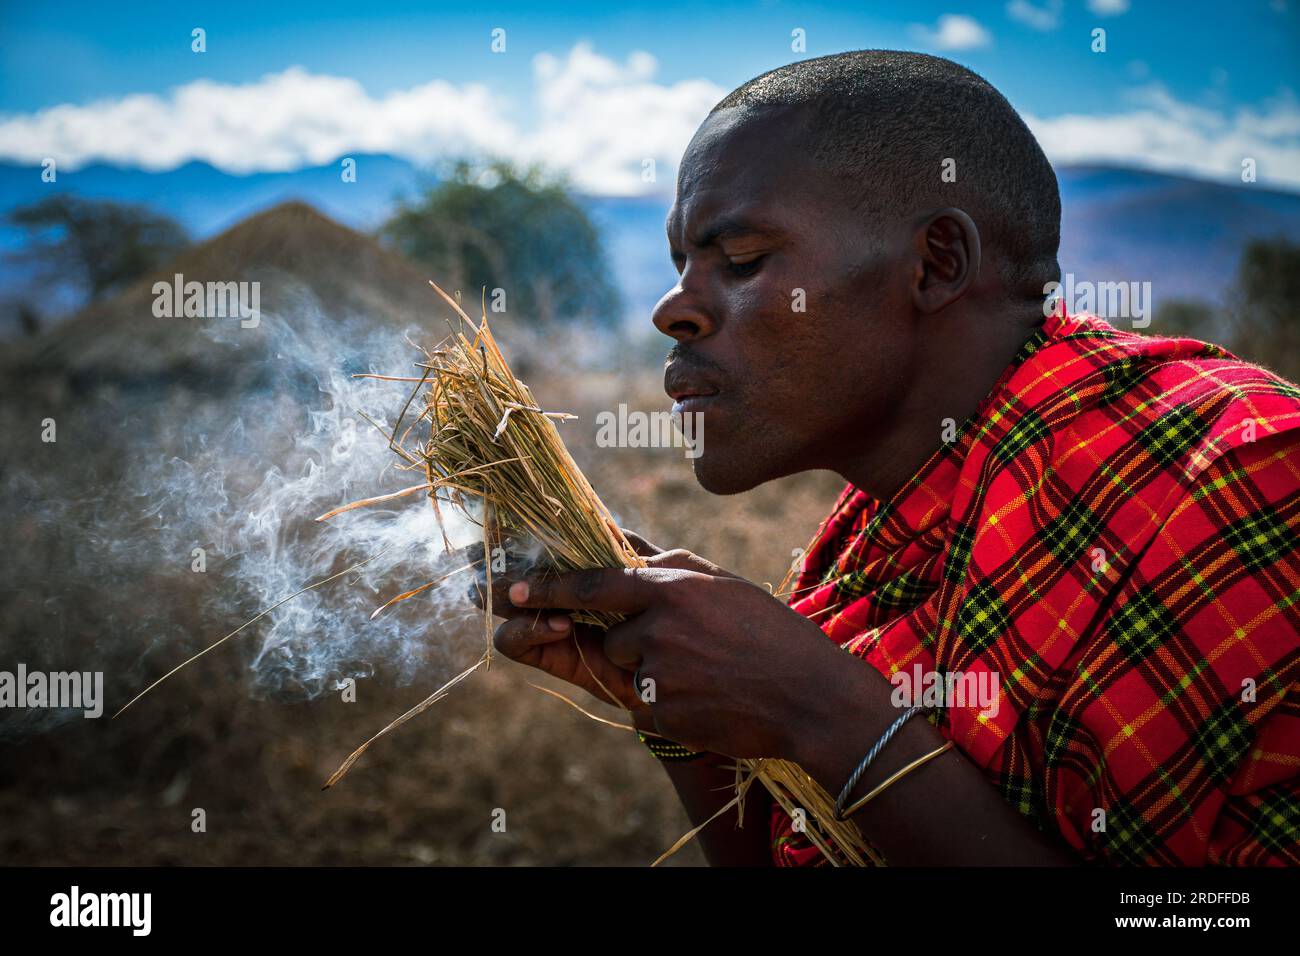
<point x="957" y="376"/>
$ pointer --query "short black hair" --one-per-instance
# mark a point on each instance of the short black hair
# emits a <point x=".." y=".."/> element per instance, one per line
<point x="885" y="120"/>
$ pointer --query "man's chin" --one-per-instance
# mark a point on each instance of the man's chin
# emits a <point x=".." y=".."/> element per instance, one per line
<point x="727" y="476"/>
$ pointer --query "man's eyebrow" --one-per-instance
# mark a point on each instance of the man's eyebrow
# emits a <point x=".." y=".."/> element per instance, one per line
<point x="728" y="227"/>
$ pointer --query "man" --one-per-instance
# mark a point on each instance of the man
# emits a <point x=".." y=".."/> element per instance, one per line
<point x="1098" y="529"/>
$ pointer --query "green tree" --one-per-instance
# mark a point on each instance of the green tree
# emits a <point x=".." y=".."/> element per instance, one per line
<point x="1266" y="306"/>
<point x="1261" y="322"/>
<point x="1191" y="318"/>
<point x="497" y="227"/>
<point x="94" y="245"/>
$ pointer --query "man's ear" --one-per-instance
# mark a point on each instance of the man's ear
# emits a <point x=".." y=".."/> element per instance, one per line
<point x="947" y="249"/>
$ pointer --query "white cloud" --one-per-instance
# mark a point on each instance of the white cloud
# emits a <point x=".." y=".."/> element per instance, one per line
<point x="954" y="31"/>
<point x="592" y="117"/>
<point x="280" y="122"/>
<point x="1166" y="134"/>
<point x="600" y="121"/>
<point x="1046" y="17"/>
<point x="1108" y="8"/>
<point x="596" y="119"/>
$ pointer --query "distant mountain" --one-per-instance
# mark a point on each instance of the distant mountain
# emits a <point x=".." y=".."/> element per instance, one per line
<point x="206" y="200"/>
<point x="1183" y="235"/>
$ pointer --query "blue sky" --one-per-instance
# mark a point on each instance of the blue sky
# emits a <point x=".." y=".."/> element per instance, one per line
<point x="1231" y="71"/>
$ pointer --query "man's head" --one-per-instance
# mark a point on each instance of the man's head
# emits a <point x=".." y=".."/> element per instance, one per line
<point x="837" y="222"/>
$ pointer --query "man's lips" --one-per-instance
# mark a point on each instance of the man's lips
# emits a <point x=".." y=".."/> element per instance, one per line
<point x="682" y="394"/>
<point x="682" y="386"/>
<point x="689" y="398"/>
<point x="690" y="404"/>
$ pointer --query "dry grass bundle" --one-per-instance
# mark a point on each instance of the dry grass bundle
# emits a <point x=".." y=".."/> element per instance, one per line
<point x="488" y="442"/>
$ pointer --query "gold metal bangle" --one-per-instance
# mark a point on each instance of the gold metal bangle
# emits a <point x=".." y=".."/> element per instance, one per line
<point x="893" y="778"/>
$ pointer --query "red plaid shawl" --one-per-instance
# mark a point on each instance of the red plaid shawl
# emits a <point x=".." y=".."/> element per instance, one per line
<point x="1114" y="534"/>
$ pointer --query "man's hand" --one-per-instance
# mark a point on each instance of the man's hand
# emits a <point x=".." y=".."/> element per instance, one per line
<point x="551" y="641"/>
<point x="724" y="666"/>
<point x="704" y="785"/>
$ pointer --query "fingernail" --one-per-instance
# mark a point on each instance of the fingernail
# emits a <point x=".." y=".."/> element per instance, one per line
<point x="559" y="623"/>
<point x="519" y="592"/>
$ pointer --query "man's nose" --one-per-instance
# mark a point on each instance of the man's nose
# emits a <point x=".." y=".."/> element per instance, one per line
<point x="680" y="314"/>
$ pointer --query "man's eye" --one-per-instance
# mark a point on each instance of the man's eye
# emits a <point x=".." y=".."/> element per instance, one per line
<point x="746" y="265"/>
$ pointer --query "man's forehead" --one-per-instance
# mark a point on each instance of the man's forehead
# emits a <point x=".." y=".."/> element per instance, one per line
<point x="741" y="167"/>
<point x="741" y="143"/>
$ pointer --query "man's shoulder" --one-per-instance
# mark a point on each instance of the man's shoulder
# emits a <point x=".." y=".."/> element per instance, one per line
<point x="1186" y="364"/>
<point x="1182" y="400"/>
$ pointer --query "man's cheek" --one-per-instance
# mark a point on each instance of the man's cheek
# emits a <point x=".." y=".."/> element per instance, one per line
<point x="775" y="298"/>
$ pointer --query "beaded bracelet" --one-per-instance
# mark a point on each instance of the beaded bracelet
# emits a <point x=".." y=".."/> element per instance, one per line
<point x="668" y="750"/>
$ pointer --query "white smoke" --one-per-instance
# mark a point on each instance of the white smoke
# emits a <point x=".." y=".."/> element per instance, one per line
<point x="247" y="493"/>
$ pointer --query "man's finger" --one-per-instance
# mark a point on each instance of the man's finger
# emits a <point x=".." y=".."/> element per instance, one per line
<point x="639" y="544"/>
<point x="619" y="590"/>
<point x="501" y="606"/>
<point x="517" y="636"/>
<point x="686" y="561"/>
<point x="623" y="644"/>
